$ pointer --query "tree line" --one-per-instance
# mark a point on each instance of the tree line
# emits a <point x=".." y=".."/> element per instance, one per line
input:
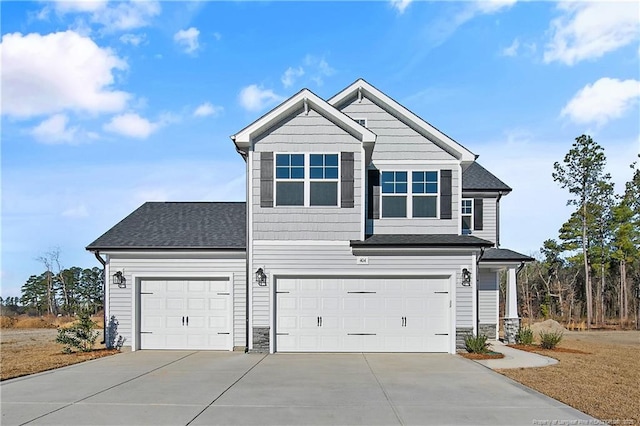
<point x="591" y="271"/>
<point x="59" y="290"/>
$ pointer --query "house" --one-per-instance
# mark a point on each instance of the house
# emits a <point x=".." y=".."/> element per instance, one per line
<point x="365" y="229"/>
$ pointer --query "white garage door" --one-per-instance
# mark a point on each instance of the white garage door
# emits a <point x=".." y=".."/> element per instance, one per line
<point x="363" y="315"/>
<point x="185" y="314"/>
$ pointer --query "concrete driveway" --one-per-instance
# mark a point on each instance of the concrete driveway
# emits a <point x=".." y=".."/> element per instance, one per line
<point x="207" y="388"/>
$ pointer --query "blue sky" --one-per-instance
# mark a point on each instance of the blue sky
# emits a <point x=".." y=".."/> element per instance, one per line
<point x="106" y="105"/>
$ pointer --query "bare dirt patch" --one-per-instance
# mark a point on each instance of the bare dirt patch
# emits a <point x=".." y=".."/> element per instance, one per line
<point x="598" y="374"/>
<point x="26" y="351"/>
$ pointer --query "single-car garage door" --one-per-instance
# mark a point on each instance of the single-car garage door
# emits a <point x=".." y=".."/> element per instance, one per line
<point x="185" y="314"/>
<point x="363" y="314"/>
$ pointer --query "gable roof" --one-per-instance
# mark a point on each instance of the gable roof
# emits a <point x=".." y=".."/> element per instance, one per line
<point x="477" y="178"/>
<point x="178" y="225"/>
<point x="421" y="240"/>
<point x="361" y="88"/>
<point x="303" y="99"/>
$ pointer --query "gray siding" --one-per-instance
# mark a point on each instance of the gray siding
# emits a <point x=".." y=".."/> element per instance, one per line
<point x="307" y="134"/>
<point x="396" y="140"/>
<point x="143" y="265"/>
<point x="332" y="259"/>
<point x="487" y="297"/>
<point x="489" y="219"/>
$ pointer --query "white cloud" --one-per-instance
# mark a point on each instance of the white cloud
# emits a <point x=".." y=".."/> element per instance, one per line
<point x="512" y="50"/>
<point x="207" y="109"/>
<point x="126" y="15"/>
<point x="76" y="212"/>
<point x="588" y="30"/>
<point x="57" y="72"/>
<point x="255" y="98"/>
<point x="54" y="130"/>
<point x="131" y="125"/>
<point x="318" y="68"/>
<point x="493" y="6"/>
<point x="133" y="39"/>
<point x="602" y="101"/>
<point x="188" y="39"/>
<point x="290" y="75"/>
<point x="76" y="6"/>
<point x="400" y="5"/>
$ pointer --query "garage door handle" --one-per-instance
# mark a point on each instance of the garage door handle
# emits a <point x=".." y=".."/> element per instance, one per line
<point x="224" y="333"/>
<point x="183" y="321"/>
<point x="442" y="334"/>
<point x="361" y="334"/>
<point x="319" y="321"/>
<point x="187" y="321"/>
<point x="404" y="321"/>
<point x="441" y="292"/>
<point x="361" y="292"/>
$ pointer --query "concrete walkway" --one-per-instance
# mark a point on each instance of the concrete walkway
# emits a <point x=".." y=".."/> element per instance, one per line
<point x="515" y="358"/>
<point x="208" y="388"/>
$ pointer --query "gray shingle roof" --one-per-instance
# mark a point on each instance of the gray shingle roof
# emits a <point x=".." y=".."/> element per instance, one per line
<point x="172" y="225"/>
<point x="477" y="178"/>
<point x="503" y="255"/>
<point x="422" y="240"/>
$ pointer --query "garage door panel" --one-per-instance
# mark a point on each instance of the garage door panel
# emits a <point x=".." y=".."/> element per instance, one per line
<point x="362" y="314"/>
<point x="185" y="314"/>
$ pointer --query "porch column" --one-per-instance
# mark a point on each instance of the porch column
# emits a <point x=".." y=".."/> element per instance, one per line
<point x="511" y="320"/>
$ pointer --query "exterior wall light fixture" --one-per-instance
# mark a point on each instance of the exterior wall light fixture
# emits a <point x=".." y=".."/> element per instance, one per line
<point x="261" y="277"/>
<point x="119" y="280"/>
<point x="466" y="277"/>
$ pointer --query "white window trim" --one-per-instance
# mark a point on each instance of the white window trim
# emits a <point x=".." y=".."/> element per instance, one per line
<point x="471" y="215"/>
<point x="366" y="122"/>
<point x="409" y="194"/>
<point x="307" y="180"/>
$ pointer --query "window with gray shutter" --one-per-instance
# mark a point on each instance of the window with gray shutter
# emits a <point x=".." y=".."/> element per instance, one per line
<point x="445" y="194"/>
<point x="373" y="194"/>
<point x="346" y="180"/>
<point x="266" y="179"/>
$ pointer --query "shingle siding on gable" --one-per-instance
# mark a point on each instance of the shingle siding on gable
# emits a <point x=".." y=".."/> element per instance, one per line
<point x="307" y="134"/>
<point x="396" y="140"/>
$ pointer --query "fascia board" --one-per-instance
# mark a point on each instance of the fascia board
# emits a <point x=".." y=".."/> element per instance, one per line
<point x="437" y="136"/>
<point x="244" y="137"/>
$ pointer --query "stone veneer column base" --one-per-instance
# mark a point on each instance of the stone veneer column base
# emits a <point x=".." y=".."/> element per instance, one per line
<point x="511" y="327"/>
<point x="488" y="330"/>
<point x="461" y="333"/>
<point x="260" y="339"/>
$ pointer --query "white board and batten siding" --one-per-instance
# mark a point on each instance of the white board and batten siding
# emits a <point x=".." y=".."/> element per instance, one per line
<point x="310" y="133"/>
<point x="198" y="266"/>
<point x="335" y="258"/>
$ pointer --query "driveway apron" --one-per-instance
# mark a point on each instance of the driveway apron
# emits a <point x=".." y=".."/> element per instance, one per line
<point x="207" y="388"/>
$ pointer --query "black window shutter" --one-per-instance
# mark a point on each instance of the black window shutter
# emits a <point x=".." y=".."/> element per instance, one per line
<point x="346" y="180"/>
<point x="477" y="214"/>
<point x="373" y="194"/>
<point x="445" y="194"/>
<point x="266" y="179"/>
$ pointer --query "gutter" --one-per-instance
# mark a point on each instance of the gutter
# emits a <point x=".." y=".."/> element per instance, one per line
<point x="96" y="253"/>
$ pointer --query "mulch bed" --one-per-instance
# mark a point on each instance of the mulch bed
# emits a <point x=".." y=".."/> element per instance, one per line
<point x="536" y="348"/>
<point x="488" y="355"/>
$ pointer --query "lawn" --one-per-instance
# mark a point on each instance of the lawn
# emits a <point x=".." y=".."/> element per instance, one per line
<point x="604" y="382"/>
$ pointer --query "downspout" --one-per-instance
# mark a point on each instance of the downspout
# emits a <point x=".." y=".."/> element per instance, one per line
<point x="498" y="219"/>
<point x="247" y="249"/>
<point x="104" y="295"/>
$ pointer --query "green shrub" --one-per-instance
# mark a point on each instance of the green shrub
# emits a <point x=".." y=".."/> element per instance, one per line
<point x="79" y="336"/>
<point x="524" y="336"/>
<point x="476" y="344"/>
<point x="549" y="340"/>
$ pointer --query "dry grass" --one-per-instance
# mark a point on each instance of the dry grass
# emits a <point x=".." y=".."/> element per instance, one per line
<point x="27" y="351"/>
<point x="602" y="381"/>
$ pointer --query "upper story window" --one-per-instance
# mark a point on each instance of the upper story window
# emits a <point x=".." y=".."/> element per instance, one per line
<point x="361" y="121"/>
<point x="323" y="175"/>
<point x="413" y="195"/>
<point x="306" y="179"/>
<point x="466" y="213"/>
<point x="290" y="173"/>
<point x="394" y="194"/>
<point x="425" y="194"/>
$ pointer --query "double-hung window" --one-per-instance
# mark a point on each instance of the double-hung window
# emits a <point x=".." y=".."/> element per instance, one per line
<point x="410" y="194"/>
<point x="323" y="179"/>
<point x="394" y="194"/>
<point x="290" y="173"/>
<point x="425" y="194"/>
<point x="466" y="213"/>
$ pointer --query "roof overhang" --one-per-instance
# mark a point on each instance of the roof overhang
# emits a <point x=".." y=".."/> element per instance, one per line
<point x="361" y="88"/>
<point x="306" y="100"/>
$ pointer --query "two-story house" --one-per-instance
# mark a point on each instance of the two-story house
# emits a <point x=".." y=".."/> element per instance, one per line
<point x="365" y="229"/>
